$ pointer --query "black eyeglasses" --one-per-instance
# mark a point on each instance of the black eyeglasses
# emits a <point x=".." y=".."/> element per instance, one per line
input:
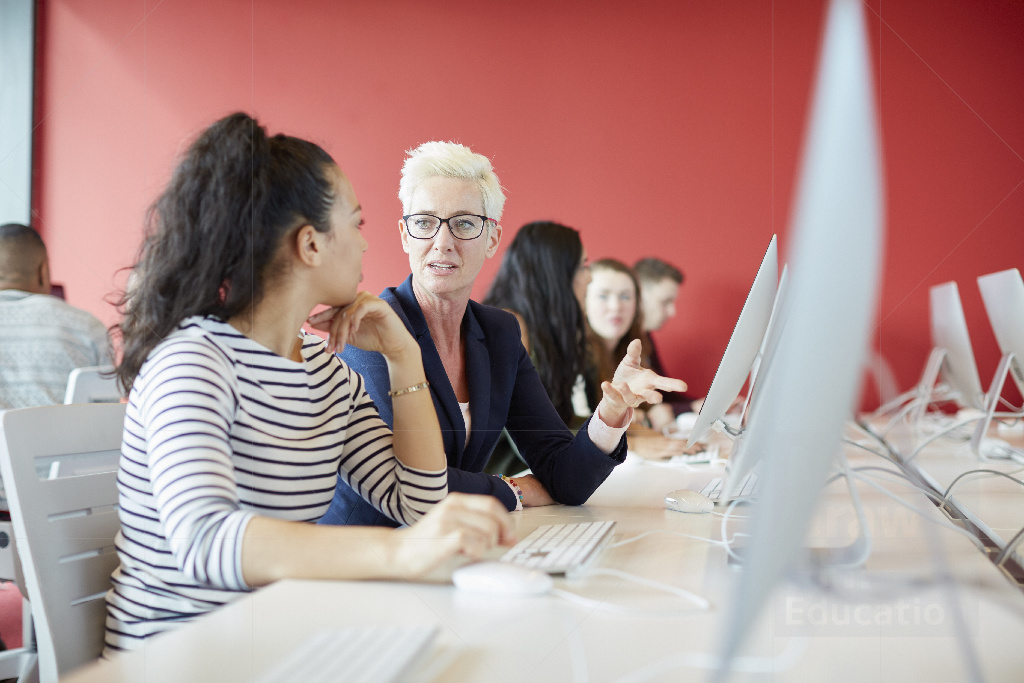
<point x="424" y="226"/>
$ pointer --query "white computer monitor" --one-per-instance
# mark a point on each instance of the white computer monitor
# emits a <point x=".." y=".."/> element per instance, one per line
<point x="94" y="384"/>
<point x="1003" y="296"/>
<point x="742" y="350"/>
<point x="810" y="384"/>
<point x="952" y="355"/>
<point x="771" y="337"/>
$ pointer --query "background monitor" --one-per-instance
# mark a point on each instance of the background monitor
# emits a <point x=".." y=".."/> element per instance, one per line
<point x="744" y="344"/>
<point x="771" y="339"/>
<point x="811" y="382"/>
<point x="949" y="333"/>
<point x="1003" y="295"/>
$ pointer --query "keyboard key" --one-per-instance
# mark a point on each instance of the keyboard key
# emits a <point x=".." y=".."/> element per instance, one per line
<point x="560" y="548"/>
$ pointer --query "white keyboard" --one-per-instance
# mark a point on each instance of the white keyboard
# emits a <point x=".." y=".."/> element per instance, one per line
<point x="560" y="548"/>
<point x="748" y="488"/>
<point x="367" y="654"/>
<point x="699" y="458"/>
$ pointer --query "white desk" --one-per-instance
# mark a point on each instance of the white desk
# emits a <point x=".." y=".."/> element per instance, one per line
<point x="546" y="638"/>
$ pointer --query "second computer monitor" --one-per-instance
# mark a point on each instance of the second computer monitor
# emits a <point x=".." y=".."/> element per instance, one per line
<point x="1003" y="294"/>
<point x="743" y="346"/>
<point x="950" y="336"/>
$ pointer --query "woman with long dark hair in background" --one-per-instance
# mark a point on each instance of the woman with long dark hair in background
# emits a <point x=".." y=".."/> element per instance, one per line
<point x="542" y="280"/>
<point x="238" y="425"/>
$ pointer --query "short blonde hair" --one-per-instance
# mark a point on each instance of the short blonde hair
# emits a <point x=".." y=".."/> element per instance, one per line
<point x="451" y="160"/>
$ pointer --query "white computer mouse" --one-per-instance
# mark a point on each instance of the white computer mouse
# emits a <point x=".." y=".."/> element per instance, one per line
<point x="501" y="578"/>
<point x="685" y="500"/>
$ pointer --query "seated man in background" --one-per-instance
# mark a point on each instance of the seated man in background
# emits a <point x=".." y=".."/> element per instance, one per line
<point x="42" y="338"/>
<point x="659" y="289"/>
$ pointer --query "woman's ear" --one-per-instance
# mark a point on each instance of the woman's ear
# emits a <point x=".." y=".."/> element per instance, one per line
<point x="493" y="240"/>
<point x="404" y="236"/>
<point x="308" y="245"/>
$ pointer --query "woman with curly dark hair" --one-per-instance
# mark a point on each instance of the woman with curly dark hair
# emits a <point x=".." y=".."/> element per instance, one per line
<point x="542" y="280"/>
<point x="238" y="424"/>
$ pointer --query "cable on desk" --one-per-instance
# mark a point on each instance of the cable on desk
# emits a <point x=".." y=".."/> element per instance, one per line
<point x="1008" y="550"/>
<point x="904" y="480"/>
<point x="1013" y="408"/>
<point x="702" y="604"/>
<point x="949" y="489"/>
<point x="938" y="434"/>
<point x="669" y="532"/>
<point x="722" y="514"/>
<point x="882" y="441"/>
<point x="865" y="532"/>
<point x="941" y="521"/>
<point x="858" y="444"/>
<point x="903" y="412"/>
<point x="896" y="456"/>
<point x="725" y="523"/>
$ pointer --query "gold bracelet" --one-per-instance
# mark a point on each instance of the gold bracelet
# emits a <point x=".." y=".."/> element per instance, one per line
<point x="408" y="390"/>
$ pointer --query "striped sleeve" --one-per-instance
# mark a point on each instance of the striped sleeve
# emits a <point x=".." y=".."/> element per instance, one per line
<point x="187" y="408"/>
<point x="369" y="466"/>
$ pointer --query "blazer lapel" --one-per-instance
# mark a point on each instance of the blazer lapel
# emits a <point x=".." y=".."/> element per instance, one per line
<point x="478" y="375"/>
<point x="449" y="415"/>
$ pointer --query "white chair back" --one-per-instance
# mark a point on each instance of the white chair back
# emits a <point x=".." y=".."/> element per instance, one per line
<point x="64" y="527"/>
<point x="93" y="384"/>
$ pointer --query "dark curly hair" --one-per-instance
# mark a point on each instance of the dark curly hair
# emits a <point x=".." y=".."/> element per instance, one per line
<point x="535" y="281"/>
<point x="212" y="236"/>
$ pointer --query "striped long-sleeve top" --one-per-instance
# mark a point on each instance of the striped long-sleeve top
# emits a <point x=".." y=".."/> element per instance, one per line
<point x="219" y="429"/>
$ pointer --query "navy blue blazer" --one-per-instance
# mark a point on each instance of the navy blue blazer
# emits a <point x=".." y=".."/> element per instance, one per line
<point x="505" y="391"/>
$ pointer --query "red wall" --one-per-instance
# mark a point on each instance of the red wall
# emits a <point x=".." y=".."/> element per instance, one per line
<point x="656" y="128"/>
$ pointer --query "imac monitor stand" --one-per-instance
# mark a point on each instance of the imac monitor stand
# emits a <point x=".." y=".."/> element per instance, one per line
<point x="1003" y="295"/>
<point x="951" y="339"/>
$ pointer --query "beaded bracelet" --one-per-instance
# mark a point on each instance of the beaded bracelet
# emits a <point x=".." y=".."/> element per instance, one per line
<point x="515" y="489"/>
<point x="408" y="390"/>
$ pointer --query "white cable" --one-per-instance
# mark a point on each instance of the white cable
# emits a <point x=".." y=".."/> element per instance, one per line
<point x="894" y="403"/>
<point x="938" y="434"/>
<point x="725" y="522"/>
<point x="701" y="602"/>
<point x="722" y="514"/>
<point x="952" y="484"/>
<point x="668" y="532"/>
<point x="870" y="450"/>
<point x="858" y="508"/>
<point x="924" y="513"/>
<point x="902" y="412"/>
<point x="903" y="480"/>
<point x="1013" y="408"/>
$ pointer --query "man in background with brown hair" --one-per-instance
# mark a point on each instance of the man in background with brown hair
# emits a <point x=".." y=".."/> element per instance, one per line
<point x="659" y="289"/>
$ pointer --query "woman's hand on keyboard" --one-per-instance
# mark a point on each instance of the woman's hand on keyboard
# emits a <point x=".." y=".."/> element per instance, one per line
<point x="461" y="524"/>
